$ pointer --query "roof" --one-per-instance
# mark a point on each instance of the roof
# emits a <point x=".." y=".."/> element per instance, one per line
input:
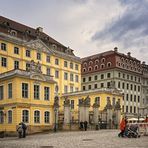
<point x="29" y="33"/>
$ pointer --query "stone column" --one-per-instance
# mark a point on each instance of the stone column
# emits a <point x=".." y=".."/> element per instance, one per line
<point x="86" y="108"/>
<point x="109" y="114"/>
<point x="81" y="113"/>
<point x="117" y="114"/>
<point x="66" y="125"/>
<point x="96" y="113"/>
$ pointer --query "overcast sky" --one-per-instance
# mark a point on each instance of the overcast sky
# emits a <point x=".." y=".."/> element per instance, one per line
<point x="87" y="26"/>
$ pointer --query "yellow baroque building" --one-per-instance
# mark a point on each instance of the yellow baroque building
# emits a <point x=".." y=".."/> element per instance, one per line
<point x="24" y="49"/>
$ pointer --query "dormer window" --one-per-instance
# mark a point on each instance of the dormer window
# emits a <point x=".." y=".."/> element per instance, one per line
<point x="85" y="64"/>
<point x="90" y="63"/>
<point x="97" y="61"/>
<point x="103" y="60"/>
<point x="96" y="67"/>
<point x="109" y="64"/>
<point x="90" y="69"/>
<point x="13" y="33"/>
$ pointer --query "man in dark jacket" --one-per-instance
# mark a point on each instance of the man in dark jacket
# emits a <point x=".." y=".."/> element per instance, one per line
<point x="24" y="127"/>
<point x="85" y="125"/>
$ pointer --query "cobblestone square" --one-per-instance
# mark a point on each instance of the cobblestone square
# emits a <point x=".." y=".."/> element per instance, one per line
<point x="79" y="139"/>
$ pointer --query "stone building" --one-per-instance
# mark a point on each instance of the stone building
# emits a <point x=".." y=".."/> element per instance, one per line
<point x="113" y="69"/>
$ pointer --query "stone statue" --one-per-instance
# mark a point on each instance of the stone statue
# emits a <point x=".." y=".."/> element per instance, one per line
<point x="32" y="65"/>
<point x="108" y="105"/>
<point x="81" y="101"/>
<point x="117" y="105"/>
<point x="66" y="102"/>
<point x="56" y="102"/>
<point x="87" y="100"/>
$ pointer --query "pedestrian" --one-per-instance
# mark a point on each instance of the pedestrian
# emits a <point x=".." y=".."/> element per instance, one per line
<point x="85" y="125"/>
<point x="24" y="127"/>
<point x="122" y="127"/>
<point x="81" y="125"/>
<point x="20" y="130"/>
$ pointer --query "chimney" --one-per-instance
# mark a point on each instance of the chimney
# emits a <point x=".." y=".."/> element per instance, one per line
<point x="128" y="54"/>
<point x="116" y="49"/>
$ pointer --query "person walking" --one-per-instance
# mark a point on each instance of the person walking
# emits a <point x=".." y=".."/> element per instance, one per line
<point x="81" y="125"/>
<point x="122" y="127"/>
<point x="24" y="127"/>
<point x="20" y="130"/>
<point x="85" y="125"/>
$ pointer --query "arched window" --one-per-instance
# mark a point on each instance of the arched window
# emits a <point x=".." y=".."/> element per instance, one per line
<point x="109" y="64"/>
<point x="103" y="60"/>
<point x="84" y="69"/>
<point x="85" y="64"/>
<point x="47" y="117"/>
<point x="102" y="66"/>
<point x="25" y="116"/>
<point x="90" y="63"/>
<point x="97" y="61"/>
<point x="96" y="67"/>
<point x="1" y="117"/>
<point x="10" y="116"/>
<point x="90" y="69"/>
<point x="36" y="116"/>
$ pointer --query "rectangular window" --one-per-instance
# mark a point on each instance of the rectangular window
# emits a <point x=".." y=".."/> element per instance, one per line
<point x="134" y="98"/>
<point x="47" y="117"/>
<point x="84" y="79"/>
<point x="16" y="50"/>
<point x="138" y="88"/>
<point x="89" y="78"/>
<point x="24" y="90"/>
<point x="108" y="85"/>
<point x="48" y="59"/>
<point x="119" y="74"/>
<point x="36" y="92"/>
<point x="72" y="104"/>
<point x="97" y="100"/>
<point x="3" y="47"/>
<point x="56" y="61"/>
<point x="89" y="86"/>
<point x="127" y="86"/>
<point x="76" y="89"/>
<point x="128" y="77"/>
<point x="131" y="77"/>
<point x="65" y="76"/>
<point x="4" y="62"/>
<point x="127" y="109"/>
<point x="118" y="84"/>
<point x="65" y="64"/>
<point x="10" y="90"/>
<point x="71" y="88"/>
<point x="102" y="76"/>
<point x="27" y="66"/>
<point x="1" y="117"/>
<point x="36" y="116"/>
<point x="108" y="75"/>
<point x="71" y="77"/>
<point x="138" y="99"/>
<point x="95" y="86"/>
<point x="48" y="71"/>
<point x="131" y="86"/>
<point x="9" y="116"/>
<point x="46" y="93"/>
<point x="16" y="64"/>
<point x="122" y="85"/>
<point x="135" y="87"/>
<point x="76" y="67"/>
<point x="76" y="78"/>
<point x="65" y="89"/>
<point x="1" y="92"/>
<point x="130" y="109"/>
<point x="38" y="56"/>
<point x="27" y="53"/>
<point x="83" y="87"/>
<point x="71" y="65"/>
<point x="25" y="116"/>
<point x="57" y="74"/>
<point x="134" y="109"/>
<point x="96" y="77"/>
<point x="102" y="85"/>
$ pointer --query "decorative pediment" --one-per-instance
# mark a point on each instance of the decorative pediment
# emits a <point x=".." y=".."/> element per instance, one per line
<point x="38" y="45"/>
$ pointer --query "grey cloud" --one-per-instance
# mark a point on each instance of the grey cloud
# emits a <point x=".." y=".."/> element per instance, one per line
<point x="132" y="24"/>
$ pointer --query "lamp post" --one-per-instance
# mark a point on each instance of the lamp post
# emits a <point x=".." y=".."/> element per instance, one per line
<point x="56" y="106"/>
<point x="55" y="123"/>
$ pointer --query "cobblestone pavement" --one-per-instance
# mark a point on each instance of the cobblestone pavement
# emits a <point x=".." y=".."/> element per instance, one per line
<point x="81" y="139"/>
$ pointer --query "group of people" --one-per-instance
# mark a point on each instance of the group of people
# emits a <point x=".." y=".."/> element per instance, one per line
<point x="83" y="125"/>
<point x="22" y="130"/>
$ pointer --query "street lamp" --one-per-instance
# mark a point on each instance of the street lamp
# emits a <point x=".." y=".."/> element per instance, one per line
<point x="55" y="123"/>
<point x="56" y="106"/>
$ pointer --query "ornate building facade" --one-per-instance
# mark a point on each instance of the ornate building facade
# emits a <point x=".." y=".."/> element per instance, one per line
<point x="112" y="69"/>
<point x="24" y="50"/>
